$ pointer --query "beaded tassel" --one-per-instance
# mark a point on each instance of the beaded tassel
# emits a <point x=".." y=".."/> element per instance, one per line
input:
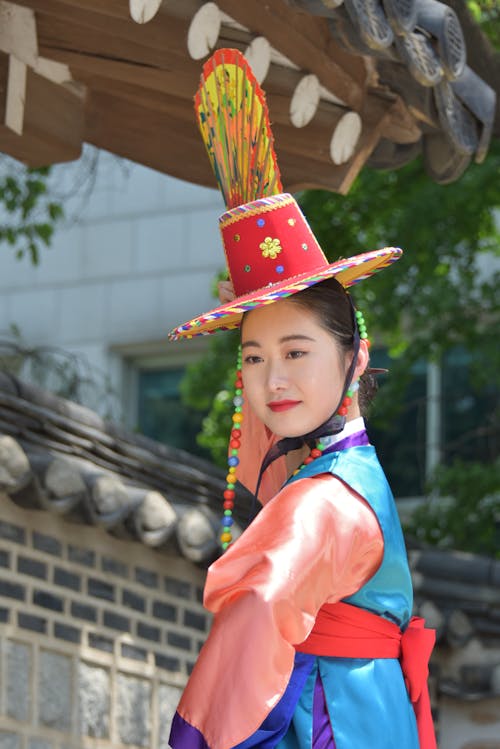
<point x="316" y="452"/>
<point x="360" y="320"/>
<point x="233" y="460"/>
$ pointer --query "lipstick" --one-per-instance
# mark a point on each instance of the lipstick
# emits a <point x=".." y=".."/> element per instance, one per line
<point x="284" y="405"/>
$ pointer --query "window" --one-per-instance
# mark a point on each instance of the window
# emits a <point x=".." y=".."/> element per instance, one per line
<point x="151" y="392"/>
<point x="161" y="414"/>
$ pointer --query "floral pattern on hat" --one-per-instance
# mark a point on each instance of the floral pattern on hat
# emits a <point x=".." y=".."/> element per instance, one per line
<point x="271" y="248"/>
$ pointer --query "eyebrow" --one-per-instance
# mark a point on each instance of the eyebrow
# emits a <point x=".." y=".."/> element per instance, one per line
<point x="284" y="339"/>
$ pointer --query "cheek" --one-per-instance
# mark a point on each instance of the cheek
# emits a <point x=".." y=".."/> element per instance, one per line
<point x="329" y="379"/>
<point x="251" y="386"/>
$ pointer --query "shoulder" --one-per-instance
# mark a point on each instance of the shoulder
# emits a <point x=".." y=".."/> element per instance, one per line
<point x="326" y="497"/>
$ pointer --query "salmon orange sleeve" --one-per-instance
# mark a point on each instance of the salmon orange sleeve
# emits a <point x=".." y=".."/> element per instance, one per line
<point x="316" y="542"/>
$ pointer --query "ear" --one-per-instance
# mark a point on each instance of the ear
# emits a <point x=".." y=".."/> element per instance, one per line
<point x="362" y="361"/>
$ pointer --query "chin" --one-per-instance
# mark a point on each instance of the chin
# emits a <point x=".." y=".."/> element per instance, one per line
<point x="291" y="430"/>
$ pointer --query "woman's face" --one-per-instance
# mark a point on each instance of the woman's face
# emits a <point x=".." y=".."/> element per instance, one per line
<point x="293" y="369"/>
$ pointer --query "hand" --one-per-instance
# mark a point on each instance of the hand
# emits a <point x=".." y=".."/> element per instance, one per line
<point x="226" y="291"/>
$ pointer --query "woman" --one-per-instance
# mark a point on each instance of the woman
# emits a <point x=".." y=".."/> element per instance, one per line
<point x="312" y="600"/>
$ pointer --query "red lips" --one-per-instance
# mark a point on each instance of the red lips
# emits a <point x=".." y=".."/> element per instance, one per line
<point x="282" y="405"/>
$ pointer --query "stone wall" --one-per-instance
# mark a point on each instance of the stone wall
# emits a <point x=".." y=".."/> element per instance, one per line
<point x="97" y="635"/>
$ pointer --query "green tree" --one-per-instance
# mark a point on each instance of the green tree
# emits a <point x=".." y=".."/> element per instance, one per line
<point x="28" y="213"/>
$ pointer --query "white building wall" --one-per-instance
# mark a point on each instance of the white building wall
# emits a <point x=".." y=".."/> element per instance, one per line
<point x="131" y="261"/>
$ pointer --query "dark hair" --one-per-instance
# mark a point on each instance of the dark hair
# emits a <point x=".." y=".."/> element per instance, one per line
<point x="332" y="307"/>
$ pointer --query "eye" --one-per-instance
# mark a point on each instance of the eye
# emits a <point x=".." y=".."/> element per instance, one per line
<point x="252" y="359"/>
<point x="296" y="354"/>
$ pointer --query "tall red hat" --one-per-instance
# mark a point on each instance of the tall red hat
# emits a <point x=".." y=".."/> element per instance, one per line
<point x="271" y="252"/>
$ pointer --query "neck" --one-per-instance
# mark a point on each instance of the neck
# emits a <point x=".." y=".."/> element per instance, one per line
<point x="295" y="458"/>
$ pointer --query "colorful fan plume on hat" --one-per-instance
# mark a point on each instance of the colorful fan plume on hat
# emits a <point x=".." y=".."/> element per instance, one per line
<point x="270" y="250"/>
<point x="233" y="118"/>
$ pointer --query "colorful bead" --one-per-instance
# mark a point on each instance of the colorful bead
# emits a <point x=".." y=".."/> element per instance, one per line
<point x="233" y="460"/>
<point x="360" y="321"/>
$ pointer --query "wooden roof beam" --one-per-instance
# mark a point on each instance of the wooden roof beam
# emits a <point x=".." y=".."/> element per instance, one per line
<point x="18" y="32"/>
<point x="93" y="70"/>
<point x="41" y="122"/>
<point x="307" y="41"/>
<point x="326" y="134"/>
<point x="132" y="131"/>
<point x="130" y="120"/>
<point x="299" y="172"/>
<point x="110" y="8"/>
<point x="66" y="25"/>
<point x="304" y="39"/>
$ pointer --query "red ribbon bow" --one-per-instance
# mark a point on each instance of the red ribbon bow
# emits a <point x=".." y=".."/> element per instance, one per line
<point x="345" y="631"/>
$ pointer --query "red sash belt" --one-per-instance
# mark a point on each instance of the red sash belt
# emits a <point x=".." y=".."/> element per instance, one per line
<point x="346" y="631"/>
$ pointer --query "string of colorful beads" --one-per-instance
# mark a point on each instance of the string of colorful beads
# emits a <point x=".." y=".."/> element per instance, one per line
<point x="316" y="452"/>
<point x="233" y="460"/>
<point x="362" y="326"/>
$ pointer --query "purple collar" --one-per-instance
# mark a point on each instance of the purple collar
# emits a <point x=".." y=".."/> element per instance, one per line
<point x="353" y="440"/>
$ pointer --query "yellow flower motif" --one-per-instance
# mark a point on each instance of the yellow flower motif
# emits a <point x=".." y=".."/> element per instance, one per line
<point x="271" y="248"/>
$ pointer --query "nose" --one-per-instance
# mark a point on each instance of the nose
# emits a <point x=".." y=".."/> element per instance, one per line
<point x="277" y="380"/>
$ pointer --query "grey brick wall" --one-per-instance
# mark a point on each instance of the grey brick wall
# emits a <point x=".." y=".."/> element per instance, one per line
<point x="97" y="635"/>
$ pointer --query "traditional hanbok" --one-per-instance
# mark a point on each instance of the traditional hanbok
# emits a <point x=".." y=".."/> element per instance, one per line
<point x="312" y="641"/>
<point x="288" y="662"/>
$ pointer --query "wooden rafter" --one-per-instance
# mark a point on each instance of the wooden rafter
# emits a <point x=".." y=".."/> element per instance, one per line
<point x="127" y="67"/>
<point x="48" y="121"/>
